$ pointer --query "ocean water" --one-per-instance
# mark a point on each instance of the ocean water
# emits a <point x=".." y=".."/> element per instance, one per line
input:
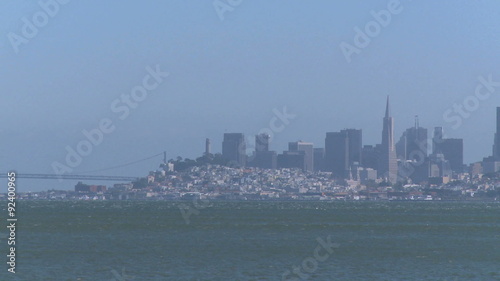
<point x="141" y="240"/>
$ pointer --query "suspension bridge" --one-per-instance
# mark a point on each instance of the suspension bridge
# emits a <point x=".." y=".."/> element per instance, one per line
<point x="70" y="177"/>
<point x="84" y="175"/>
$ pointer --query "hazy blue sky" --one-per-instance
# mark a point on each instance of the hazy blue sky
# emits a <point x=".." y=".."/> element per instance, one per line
<point x="228" y="75"/>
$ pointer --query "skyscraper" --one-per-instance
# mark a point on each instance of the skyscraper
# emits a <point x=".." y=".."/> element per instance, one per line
<point x="308" y="153"/>
<point x="319" y="159"/>
<point x="496" y="143"/>
<point x="234" y="148"/>
<point x="388" y="167"/>
<point x="337" y="154"/>
<point x="451" y="149"/>
<point x="292" y="159"/>
<point x="342" y="150"/>
<point x="370" y="156"/>
<point x="355" y="145"/>
<point x="412" y="145"/>
<point x="263" y="158"/>
<point x="437" y="138"/>
<point x="262" y="142"/>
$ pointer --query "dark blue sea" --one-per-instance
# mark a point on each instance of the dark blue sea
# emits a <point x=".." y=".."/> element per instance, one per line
<point x="142" y="240"/>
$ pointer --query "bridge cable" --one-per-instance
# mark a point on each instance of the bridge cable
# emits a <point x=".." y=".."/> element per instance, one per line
<point x="122" y="165"/>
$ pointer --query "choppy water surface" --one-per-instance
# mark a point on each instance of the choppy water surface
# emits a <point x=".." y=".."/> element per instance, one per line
<point x="256" y="241"/>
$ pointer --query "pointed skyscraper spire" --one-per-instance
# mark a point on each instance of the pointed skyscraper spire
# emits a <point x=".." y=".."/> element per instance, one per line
<point x="387" y="109"/>
<point x="388" y="168"/>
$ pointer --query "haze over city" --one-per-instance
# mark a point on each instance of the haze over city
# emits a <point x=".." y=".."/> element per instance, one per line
<point x="230" y="74"/>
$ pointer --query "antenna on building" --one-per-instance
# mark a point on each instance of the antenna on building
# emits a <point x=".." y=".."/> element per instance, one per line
<point x="164" y="157"/>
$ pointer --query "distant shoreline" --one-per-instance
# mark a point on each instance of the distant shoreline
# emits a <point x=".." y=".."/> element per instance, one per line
<point x="482" y="200"/>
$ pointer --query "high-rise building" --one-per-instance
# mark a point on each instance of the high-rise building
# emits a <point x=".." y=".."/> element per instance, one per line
<point x="319" y="159"/>
<point x="451" y="149"/>
<point x="411" y="150"/>
<point x="292" y="159"/>
<point x="267" y="160"/>
<point x="370" y="156"/>
<point x="263" y="158"/>
<point x="234" y="148"/>
<point x="496" y="143"/>
<point x="308" y="153"/>
<point x="262" y="142"/>
<point x="437" y="138"/>
<point x="412" y="146"/>
<point x="439" y="166"/>
<point x="343" y="150"/>
<point x="388" y="167"/>
<point x="337" y="154"/>
<point x="355" y="145"/>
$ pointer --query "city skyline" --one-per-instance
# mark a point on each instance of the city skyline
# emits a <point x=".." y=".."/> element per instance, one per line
<point x="415" y="157"/>
<point x="388" y="121"/>
<point x="263" y="143"/>
<point x="231" y="75"/>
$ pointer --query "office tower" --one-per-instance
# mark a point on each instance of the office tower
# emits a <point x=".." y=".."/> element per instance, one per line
<point x="262" y="142"/>
<point x="489" y="165"/>
<point x="308" y="153"/>
<point x="370" y="156"/>
<point x="207" y="146"/>
<point x="388" y="167"/>
<point x="451" y="149"/>
<point x="292" y="159"/>
<point x="263" y="158"/>
<point x="496" y="144"/>
<point x="319" y="159"/>
<point x="355" y="145"/>
<point x="412" y="145"/>
<point x="411" y="149"/>
<point x="418" y="172"/>
<point x="439" y="166"/>
<point x="437" y="138"/>
<point x="343" y="150"/>
<point x="234" y="149"/>
<point x="337" y="154"/>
